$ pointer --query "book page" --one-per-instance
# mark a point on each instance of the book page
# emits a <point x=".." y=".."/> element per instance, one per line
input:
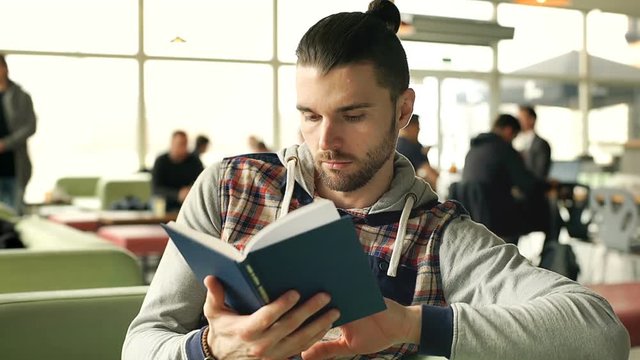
<point x="206" y="240"/>
<point x="316" y="214"/>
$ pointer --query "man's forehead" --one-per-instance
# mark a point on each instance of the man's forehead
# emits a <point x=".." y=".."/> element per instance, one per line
<point x="341" y="86"/>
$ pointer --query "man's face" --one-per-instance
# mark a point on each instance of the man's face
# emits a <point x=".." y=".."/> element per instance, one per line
<point x="526" y="121"/>
<point x="349" y="123"/>
<point x="178" y="150"/>
<point x="507" y="134"/>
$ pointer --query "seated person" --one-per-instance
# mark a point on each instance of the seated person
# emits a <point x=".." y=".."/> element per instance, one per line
<point x="452" y="287"/>
<point x="409" y="146"/>
<point x="175" y="171"/>
<point x="201" y="146"/>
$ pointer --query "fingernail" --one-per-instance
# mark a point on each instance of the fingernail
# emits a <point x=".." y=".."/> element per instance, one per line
<point x="326" y="298"/>
<point x="294" y="296"/>
<point x="335" y="315"/>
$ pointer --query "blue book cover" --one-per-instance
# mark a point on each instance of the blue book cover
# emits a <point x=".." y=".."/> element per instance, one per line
<point x="310" y="250"/>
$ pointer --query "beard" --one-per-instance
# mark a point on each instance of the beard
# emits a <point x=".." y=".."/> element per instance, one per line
<point x="366" y="168"/>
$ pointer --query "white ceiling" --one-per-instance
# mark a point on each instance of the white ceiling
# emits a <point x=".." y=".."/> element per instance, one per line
<point x="628" y="7"/>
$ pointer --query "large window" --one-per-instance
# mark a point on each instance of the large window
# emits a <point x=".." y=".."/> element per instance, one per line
<point x="108" y="27"/>
<point x="464" y="114"/>
<point x="295" y="17"/>
<point x="239" y="29"/>
<point x="87" y="111"/>
<point x="226" y="102"/>
<point x="541" y="38"/>
<point x="606" y="37"/>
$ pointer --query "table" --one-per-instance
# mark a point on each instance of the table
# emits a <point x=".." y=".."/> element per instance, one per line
<point x="125" y="217"/>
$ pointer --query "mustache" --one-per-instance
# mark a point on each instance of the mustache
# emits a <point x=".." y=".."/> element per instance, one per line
<point x="332" y="155"/>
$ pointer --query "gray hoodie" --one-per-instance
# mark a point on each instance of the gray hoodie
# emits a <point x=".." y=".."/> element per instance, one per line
<point x="501" y="305"/>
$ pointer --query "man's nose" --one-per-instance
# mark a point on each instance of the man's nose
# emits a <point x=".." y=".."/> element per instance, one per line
<point x="331" y="134"/>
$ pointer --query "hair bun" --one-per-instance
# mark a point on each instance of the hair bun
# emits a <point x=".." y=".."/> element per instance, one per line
<point x="386" y="11"/>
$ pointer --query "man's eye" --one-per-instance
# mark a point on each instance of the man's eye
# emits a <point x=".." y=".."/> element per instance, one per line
<point x="353" y="118"/>
<point x="311" y="117"/>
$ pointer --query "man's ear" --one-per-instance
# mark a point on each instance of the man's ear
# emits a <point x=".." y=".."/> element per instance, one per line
<point x="404" y="107"/>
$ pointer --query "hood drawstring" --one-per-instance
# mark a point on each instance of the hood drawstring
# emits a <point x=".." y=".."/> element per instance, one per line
<point x="291" y="183"/>
<point x="410" y="199"/>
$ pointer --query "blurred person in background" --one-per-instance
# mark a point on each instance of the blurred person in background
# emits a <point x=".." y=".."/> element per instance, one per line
<point x="17" y="124"/>
<point x="409" y="146"/>
<point x="175" y="171"/>
<point x="201" y="145"/>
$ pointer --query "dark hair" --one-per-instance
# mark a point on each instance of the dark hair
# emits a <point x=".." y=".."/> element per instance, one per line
<point x="507" y="121"/>
<point x="179" y="133"/>
<point x="356" y="37"/>
<point x="529" y="110"/>
<point x="3" y="60"/>
<point x="201" y="140"/>
<point x="415" y="120"/>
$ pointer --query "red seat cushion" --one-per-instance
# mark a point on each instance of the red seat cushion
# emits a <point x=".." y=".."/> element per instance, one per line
<point x="625" y="301"/>
<point x="139" y="239"/>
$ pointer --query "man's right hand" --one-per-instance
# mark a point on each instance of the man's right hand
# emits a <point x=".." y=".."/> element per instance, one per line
<point x="272" y="332"/>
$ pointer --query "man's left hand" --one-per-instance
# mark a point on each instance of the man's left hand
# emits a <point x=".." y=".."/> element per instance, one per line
<point x="398" y="324"/>
<point x="3" y="147"/>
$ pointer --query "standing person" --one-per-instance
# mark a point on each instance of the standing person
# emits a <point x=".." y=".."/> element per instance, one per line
<point x="175" y="171"/>
<point x="17" y="124"/>
<point x="498" y="169"/>
<point x="441" y="273"/>
<point x="534" y="149"/>
<point x="536" y="152"/>
<point x="409" y="146"/>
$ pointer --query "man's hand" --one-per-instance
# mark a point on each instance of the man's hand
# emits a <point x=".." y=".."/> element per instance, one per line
<point x="3" y="147"/>
<point x="398" y="324"/>
<point x="272" y="332"/>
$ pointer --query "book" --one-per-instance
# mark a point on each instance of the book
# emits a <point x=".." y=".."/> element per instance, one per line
<point x="311" y="250"/>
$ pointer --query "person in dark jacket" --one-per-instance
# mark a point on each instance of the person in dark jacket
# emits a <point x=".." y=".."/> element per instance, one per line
<point x="175" y="171"/>
<point x="17" y="125"/>
<point x="494" y="168"/>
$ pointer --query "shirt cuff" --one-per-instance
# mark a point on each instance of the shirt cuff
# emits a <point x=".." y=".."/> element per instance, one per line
<point x="194" y="346"/>
<point x="436" y="335"/>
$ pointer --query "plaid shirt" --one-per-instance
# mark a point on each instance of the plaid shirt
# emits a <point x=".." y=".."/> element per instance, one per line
<point x="251" y="191"/>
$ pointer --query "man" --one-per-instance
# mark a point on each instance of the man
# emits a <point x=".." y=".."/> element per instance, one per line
<point x="534" y="149"/>
<point x="409" y="146"/>
<point x="175" y="171"/>
<point x="498" y="172"/>
<point x="536" y="152"/>
<point x="17" y="124"/>
<point x="201" y="145"/>
<point x="452" y="275"/>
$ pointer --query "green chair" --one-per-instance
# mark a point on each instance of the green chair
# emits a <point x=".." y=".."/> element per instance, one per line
<point x="67" y="325"/>
<point x="39" y="270"/>
<point x="111" y="191"/>
<point x="78" y="186"/>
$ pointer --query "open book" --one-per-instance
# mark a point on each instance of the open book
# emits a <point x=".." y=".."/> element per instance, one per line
<point x="310" y="250"/>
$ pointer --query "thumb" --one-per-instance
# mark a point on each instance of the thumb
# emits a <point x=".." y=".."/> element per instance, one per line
<point x="215" y="292"/>
<point x="327" y="350"/>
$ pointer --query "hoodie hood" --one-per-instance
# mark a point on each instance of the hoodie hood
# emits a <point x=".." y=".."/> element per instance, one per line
<point x="403" y="184"/>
